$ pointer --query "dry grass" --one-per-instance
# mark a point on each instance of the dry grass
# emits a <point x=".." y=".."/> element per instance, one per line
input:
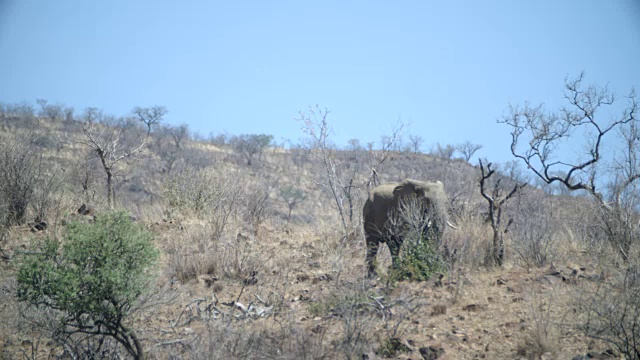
<point x="256" y="288"/>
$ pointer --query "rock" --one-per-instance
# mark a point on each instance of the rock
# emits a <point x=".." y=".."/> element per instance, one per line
<point x="436" y="280"/>
<point x="207" y="280"/>
<point x="594" y="355"/>
<point x="38" y="226"/>
<point x="323" y="277"/>
<point x="251" y="279"/>
<point x="475" y="307"/>
<point x="85" y="209"/>
<point x="438" y="310"/>
<point x="432" y="352"/>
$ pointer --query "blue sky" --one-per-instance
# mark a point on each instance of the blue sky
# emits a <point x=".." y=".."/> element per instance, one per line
<point x="450" y="68"/>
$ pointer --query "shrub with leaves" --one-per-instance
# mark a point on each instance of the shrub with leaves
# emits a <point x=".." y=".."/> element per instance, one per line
<point x="419" y="259"/>
<point x="92" y="280"/>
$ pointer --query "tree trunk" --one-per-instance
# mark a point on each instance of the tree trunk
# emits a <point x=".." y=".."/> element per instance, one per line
<point x="109" y="188"/>
<point x="498" y="247"/>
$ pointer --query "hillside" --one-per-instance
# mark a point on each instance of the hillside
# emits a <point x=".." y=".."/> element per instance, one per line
<point x="255" y="261"/>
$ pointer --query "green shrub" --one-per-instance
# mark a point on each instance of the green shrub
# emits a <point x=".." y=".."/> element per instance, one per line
<point x="418" y="259"/>
<point x="93" y="279"/>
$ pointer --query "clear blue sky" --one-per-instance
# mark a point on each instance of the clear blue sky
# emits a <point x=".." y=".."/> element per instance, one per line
<point x="448" y="67"/>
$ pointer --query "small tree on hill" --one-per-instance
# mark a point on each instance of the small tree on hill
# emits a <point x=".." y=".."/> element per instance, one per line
<point x="105" y="136"/>
<point x="93" y="280"/>
<point x="50" y="111"/>
<point x="292" y="196"/>
<point x="467" y="150"/>
<point x="251" y="145"/>
<point x="150" y="116"/>
<point x="21" y="169"/>
<point x="496" y="199"/>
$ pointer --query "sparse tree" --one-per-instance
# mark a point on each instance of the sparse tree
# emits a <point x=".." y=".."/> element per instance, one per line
<point x="379" y="158"/>
<point x="22" y="169"/>
<point x="179" y="135"/>
<point x="444" y="152"/>
<point x="292" y="196"/>
<point x="151" y="116"/>
<point x="316" y="126"/>
<point x="220" y="139"/>
<point x="23" y="110"/>
<point x="68" y="114"/>
<point x="467" y="149"/>
<point x="416" y="143"/>
<point x="496" y="200"/>
<point x="538" y="138"/>
<point x="104" y="135"/>
<point x="251" y="145"/>
<point x="51" y="111"/>
<point x="354" y="145"/>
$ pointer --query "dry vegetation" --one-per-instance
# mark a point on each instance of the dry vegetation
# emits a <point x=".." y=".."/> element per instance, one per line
<point x="262" y="252"/>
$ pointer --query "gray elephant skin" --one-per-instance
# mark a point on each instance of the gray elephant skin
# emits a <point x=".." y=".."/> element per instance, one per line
<point x="383" y="204"/>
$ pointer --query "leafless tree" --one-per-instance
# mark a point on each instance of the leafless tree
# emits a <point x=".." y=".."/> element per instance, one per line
<point x="68" y="114"/>
<point x="467" y="149"/>
<point x="316" y="126"/>
<point x="22" y="169"/>
<point x="416" y="143"/>
<point x="23" y="109"/>
<point x="444" y="152"/>
<point x="150" y="116"/>
<point x="379" y="158"/>
<point x="104" y="135"/>
<point x="538" y="138"/>
<point x="496" y="200"/>
<point x="354" y="145"/>
<point x="179" y="135"/>
<point x="51" y="111"/>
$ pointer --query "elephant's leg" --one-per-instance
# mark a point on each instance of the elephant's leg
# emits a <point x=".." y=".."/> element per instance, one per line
<point x="373" y="243"/>
<point x="394" y="248"/>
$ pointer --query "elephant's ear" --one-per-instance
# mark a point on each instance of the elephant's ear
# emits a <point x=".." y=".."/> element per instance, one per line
<point x="405" y="188"/>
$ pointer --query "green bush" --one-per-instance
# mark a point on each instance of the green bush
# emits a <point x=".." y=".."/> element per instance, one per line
<point x="418" y="260"/>
<point x="93" y="279"/>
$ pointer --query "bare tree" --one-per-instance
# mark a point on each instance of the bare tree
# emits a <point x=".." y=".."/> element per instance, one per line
<point x="538" y="136"/>
<point x="416" y="143"/>
<point x="104" y="135"/>
<point x="150" y="116"/>
<point x="51" y="111"/>
<point x="444" y="152"/>
<point x="316" y="126"/>
<point x="496" y="199"/>
<point x="354" y="145"/>
<point x="169" y="144"/>
<point x="22" y="169"/>
<point x="68" y="114"/>
<point x="380" y="157"/>
<point x="179" y="134"/>
<point x="467" y="149"/>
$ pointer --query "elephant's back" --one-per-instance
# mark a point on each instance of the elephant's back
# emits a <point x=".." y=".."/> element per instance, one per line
<point x="382" y="192"/>
<point x="377" y="204"/>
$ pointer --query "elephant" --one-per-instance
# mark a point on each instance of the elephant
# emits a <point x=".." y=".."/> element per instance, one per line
<point x="382" y="223"/>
